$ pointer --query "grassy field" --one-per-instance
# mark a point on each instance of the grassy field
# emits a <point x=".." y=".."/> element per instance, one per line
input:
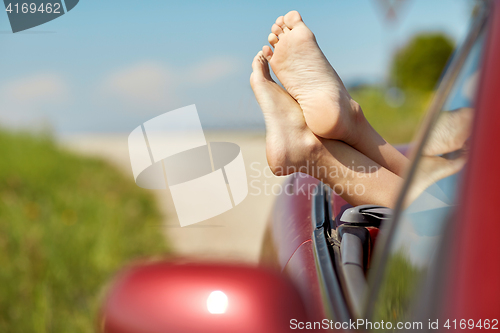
<point x="67" y="223"/>
<point x="396" y="124"/>
<point x="398" y="288"/>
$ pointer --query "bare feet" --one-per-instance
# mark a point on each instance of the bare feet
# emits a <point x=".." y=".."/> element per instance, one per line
<point x="289" y="142"/>
<point x="291" y="147"/>
<point x="306" y="74"/>
<point x="328" y="109"/>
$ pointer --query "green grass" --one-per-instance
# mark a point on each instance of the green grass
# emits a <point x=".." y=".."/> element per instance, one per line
<point x="67" y="224"/>
<point x="396" y="124"/>
<point x="398" y="288"/>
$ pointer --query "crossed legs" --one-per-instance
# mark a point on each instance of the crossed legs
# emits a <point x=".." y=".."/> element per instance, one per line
<point x="292" y="146"/>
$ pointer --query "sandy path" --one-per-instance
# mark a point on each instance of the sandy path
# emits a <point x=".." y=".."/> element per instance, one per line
<point x="233" y="235"/>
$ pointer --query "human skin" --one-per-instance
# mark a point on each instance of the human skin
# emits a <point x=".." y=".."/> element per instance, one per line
<point x="329" y="111"/>
<point x="291" y="147"/>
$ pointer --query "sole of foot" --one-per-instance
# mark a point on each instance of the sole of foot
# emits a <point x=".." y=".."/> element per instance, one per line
<point x="289" y="142"/>
<point x="306" y="74"/>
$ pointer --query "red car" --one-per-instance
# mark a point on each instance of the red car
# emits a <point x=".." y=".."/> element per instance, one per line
<point x="435" y="264"/>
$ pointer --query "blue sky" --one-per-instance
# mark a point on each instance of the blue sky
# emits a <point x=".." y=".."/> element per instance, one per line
<point x="111" y="65"/>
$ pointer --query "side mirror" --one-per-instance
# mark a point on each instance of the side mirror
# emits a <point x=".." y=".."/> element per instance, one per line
<point x="180" y="297"/>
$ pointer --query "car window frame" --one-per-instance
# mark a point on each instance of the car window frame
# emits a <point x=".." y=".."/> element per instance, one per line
<point x="327" y="258"/>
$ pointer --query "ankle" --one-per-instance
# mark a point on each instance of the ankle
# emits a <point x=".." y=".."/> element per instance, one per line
<point x="304" y="154"/>
<point x="312" y="147"/>
<point x="359" y="124"/>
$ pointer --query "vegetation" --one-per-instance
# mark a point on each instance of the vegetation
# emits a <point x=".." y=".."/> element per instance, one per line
<point x="419" y="64"/>
<point x="400" y="283"/>
<point x="415" y="70"/>
<point x="67" y="223"/>
<point x="396" y="124"/>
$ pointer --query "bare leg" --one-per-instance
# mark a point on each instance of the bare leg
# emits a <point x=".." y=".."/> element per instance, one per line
<point x="449" y="139"/>
<point x="451" y="132"/>
<point x="329" y="110"/>
<point x="291" y="146"/>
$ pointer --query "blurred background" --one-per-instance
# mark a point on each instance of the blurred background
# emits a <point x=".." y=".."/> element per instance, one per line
<point x="72" y="89"/>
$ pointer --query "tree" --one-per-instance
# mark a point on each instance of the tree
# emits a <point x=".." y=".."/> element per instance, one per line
<point x="419" y="64"/>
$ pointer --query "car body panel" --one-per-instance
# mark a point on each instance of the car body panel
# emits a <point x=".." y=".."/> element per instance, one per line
<point x="302" y="272"/>
<point x="290" y="223"/>
<point x="174" y="296"/>
<point x="475" y="287"/>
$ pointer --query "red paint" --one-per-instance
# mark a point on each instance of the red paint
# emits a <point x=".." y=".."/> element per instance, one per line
<point x="307" y="241"/>
<point x="172" y="297"/>
<point x="373" y="239"/>
<point x="292" y="229"/>
<point x="291" y="223"/>
<point x="475" y="273"/>
<point x="301" y="269"/>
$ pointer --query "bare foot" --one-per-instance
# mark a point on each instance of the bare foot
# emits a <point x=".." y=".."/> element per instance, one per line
<point x="291" y="147"/>
<point x="289" y="142"/>
<point x="306" y="74"/>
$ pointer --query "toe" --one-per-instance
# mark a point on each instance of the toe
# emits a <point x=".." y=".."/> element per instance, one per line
<point x="260" y="68"/>
<point x="276" y="29"/>
<point x="257" y="63"/>
<point x="292" y="19"/>
<point x="272" y="39"/>
<point x="267" y="52"/>
<point x="280" y="22"/>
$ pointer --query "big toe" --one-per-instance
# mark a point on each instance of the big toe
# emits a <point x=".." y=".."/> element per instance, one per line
<point x="292" y="19"/>
<point x="280" y="22"/>
<point x="260" y="69"/>
<point x="267" y="52"/>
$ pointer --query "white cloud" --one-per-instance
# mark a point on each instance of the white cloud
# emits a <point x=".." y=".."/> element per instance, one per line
<point x="28" y="100"/>
<point x="145" y="87"/>
<point x="146" y="84"/>
<point x="155" y="87"/>
<point x="212" y="70"/>
<point x="40" y="88"/>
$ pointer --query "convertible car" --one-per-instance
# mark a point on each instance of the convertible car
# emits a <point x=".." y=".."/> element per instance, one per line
<point x="431" y="263"/>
